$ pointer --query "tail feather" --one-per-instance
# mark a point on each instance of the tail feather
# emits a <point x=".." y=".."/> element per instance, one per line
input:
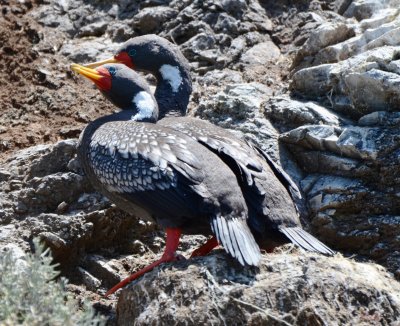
<point x="305" y="240"/>
<point x="237" y="240"/>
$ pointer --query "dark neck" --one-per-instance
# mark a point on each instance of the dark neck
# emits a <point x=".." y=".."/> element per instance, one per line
<point x="86" y="135"/>
<point x="172" y="103"/>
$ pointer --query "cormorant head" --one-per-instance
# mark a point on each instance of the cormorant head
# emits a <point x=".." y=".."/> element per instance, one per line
<point x="149" y="53"/>
<point x="124" y="88"/>
<point x="154" y="54"/>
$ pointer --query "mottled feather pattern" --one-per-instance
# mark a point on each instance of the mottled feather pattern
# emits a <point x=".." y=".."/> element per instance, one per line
<point x="222" y="141"/>
<point x="265" y="195"/>
<point x="128" y="157"/>
<point x="131" y="159"/>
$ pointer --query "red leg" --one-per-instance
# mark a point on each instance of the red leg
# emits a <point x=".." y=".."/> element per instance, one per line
<point x="205" y="248"/>
<point x="169" y="255"/>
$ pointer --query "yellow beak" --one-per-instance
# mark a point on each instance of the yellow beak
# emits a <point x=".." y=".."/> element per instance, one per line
<point x="101" y="77"/>
<point x="102" y="62"/>
<point x="87" y="72"/>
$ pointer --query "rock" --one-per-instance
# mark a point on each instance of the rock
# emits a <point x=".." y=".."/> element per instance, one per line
<point x="288" y="113"/>
<point x="57" y="205"/>
<point x="336" y="201"/>
<point x="325" y="35"/>
<point x="214" y="290"/>
<point x="89" y="280"/>
<point x="62" y="207"/>
<point x="359" y="160"/>
<point x="370" y="39"/>
<point x="346" y="82"/>
<point x="361" y="9"/>
<point x="330" y="185"/>
<point x="325" y="162"/>
<point x="258" y="16"/>
<point x="379" y="18"/>
<point x="6" y="232"/>
<point x="94" y="29"/>
<point x="4" y="175"/>
<point x="151" y="19"/>
<point x="233" y="7"/>
<point x="369" y="91"/>
<point x="19" y="163"/>
<point x="69" y="132"/>
<point x="120" y="32"/>
<point x="354" y="142"/>
<point x="17" y="253"/>
<point x="52" y="18"/>
<point x="53" y="189"/>
<point x="237" y="101"/>
<point x="351" y="177"/>
<point x="216" y="77"/>
<point x="103" y="269"/>
<point x="238" y="45"/>
<point x="340" y="40"/>
<point x="226" y="24"/>
<point x="261" y="54"/>
<point x="314" y="81"/>
<point x="74" y="165"/>
<point x="198" y="44"/>
<point x="380" y="118"/>
<point x="88" y="50"/>
<point x="57" y="158"/>
<point x="6" y="213"/>
<point x="320" y="137"/>
<point x="53" y="241"/>
<point x="238" y="107"/>
<point x="340" y="6"/>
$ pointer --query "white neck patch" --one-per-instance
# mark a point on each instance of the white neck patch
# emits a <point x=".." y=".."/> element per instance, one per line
<point x="172" y="75"/>
<point x="145" y="105"/>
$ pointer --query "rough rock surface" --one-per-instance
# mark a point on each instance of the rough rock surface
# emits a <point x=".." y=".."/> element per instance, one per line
<point x="44" y="194"/>
<point x="295" y="289"/>
<point x="315" y="83"/>
<point x="352" y="166"/>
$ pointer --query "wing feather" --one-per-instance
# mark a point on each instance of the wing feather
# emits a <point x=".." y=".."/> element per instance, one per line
<point x="139" y="162"/>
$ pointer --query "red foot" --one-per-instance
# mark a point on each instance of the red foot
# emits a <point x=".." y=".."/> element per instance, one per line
<point x="169" y="255"/>
<point x="205" y="248"/>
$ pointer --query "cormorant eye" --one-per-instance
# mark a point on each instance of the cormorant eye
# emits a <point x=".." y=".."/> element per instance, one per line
<point x="112" y="71"/>
<point x="132" y="52"/>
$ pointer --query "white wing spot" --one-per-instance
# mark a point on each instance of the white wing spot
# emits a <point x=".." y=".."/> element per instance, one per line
<point x="172" y="75"/>
<point x="145" y="104"/>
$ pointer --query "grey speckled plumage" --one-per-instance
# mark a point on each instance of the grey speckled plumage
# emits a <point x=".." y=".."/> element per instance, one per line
<point x="178" y="182"/>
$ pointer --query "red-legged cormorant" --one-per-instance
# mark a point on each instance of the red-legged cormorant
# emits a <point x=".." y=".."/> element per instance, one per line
<point x="174" y="84"/>
<point x="159" y="173"/>
<point x="267" y="189"/>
